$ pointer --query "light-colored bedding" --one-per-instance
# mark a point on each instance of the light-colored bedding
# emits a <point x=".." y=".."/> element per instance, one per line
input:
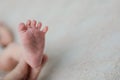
<point x="83" y="42"/>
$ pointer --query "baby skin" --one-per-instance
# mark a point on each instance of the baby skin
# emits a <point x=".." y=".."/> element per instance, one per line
<point x="30" y="59"/>
<point x="33" y="41"/>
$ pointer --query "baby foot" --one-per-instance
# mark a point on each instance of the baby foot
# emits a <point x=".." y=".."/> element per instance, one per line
<point x="33" y="40"/>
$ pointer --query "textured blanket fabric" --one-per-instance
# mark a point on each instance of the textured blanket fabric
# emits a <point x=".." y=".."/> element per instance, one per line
<point x="83" y="42"/>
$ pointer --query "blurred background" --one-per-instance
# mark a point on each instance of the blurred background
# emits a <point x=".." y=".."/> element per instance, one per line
<point x="83" y="41"/>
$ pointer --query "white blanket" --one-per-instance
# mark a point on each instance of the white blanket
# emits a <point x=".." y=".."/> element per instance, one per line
<point x="83" y="42"/>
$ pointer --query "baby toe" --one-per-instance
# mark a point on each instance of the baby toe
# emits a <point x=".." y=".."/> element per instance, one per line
<point x="22" y="27"/>
<point x="45" y="29"/>
<point x="39" y="25"/>
<point x="28" y="23"/>
<point x="33" y="24"/>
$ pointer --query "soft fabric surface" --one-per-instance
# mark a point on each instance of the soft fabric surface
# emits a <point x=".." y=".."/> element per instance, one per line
<point x="83" y="42"/>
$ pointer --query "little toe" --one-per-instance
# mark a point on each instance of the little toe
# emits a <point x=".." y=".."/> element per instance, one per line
<point x="45" y="29"/>
<point x="39" y="25"/>
<point x="33" y="24"/>
<point x="22" y="27"/>
<point x="28" y="23"/>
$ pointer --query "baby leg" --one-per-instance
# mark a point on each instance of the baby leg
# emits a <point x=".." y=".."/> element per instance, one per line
<point x="24" y="72"/>
<point x="7" y="63"/>
<point x="10" y="57"/>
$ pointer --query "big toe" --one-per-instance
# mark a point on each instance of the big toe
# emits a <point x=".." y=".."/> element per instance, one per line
<point x="22" y="27"/>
